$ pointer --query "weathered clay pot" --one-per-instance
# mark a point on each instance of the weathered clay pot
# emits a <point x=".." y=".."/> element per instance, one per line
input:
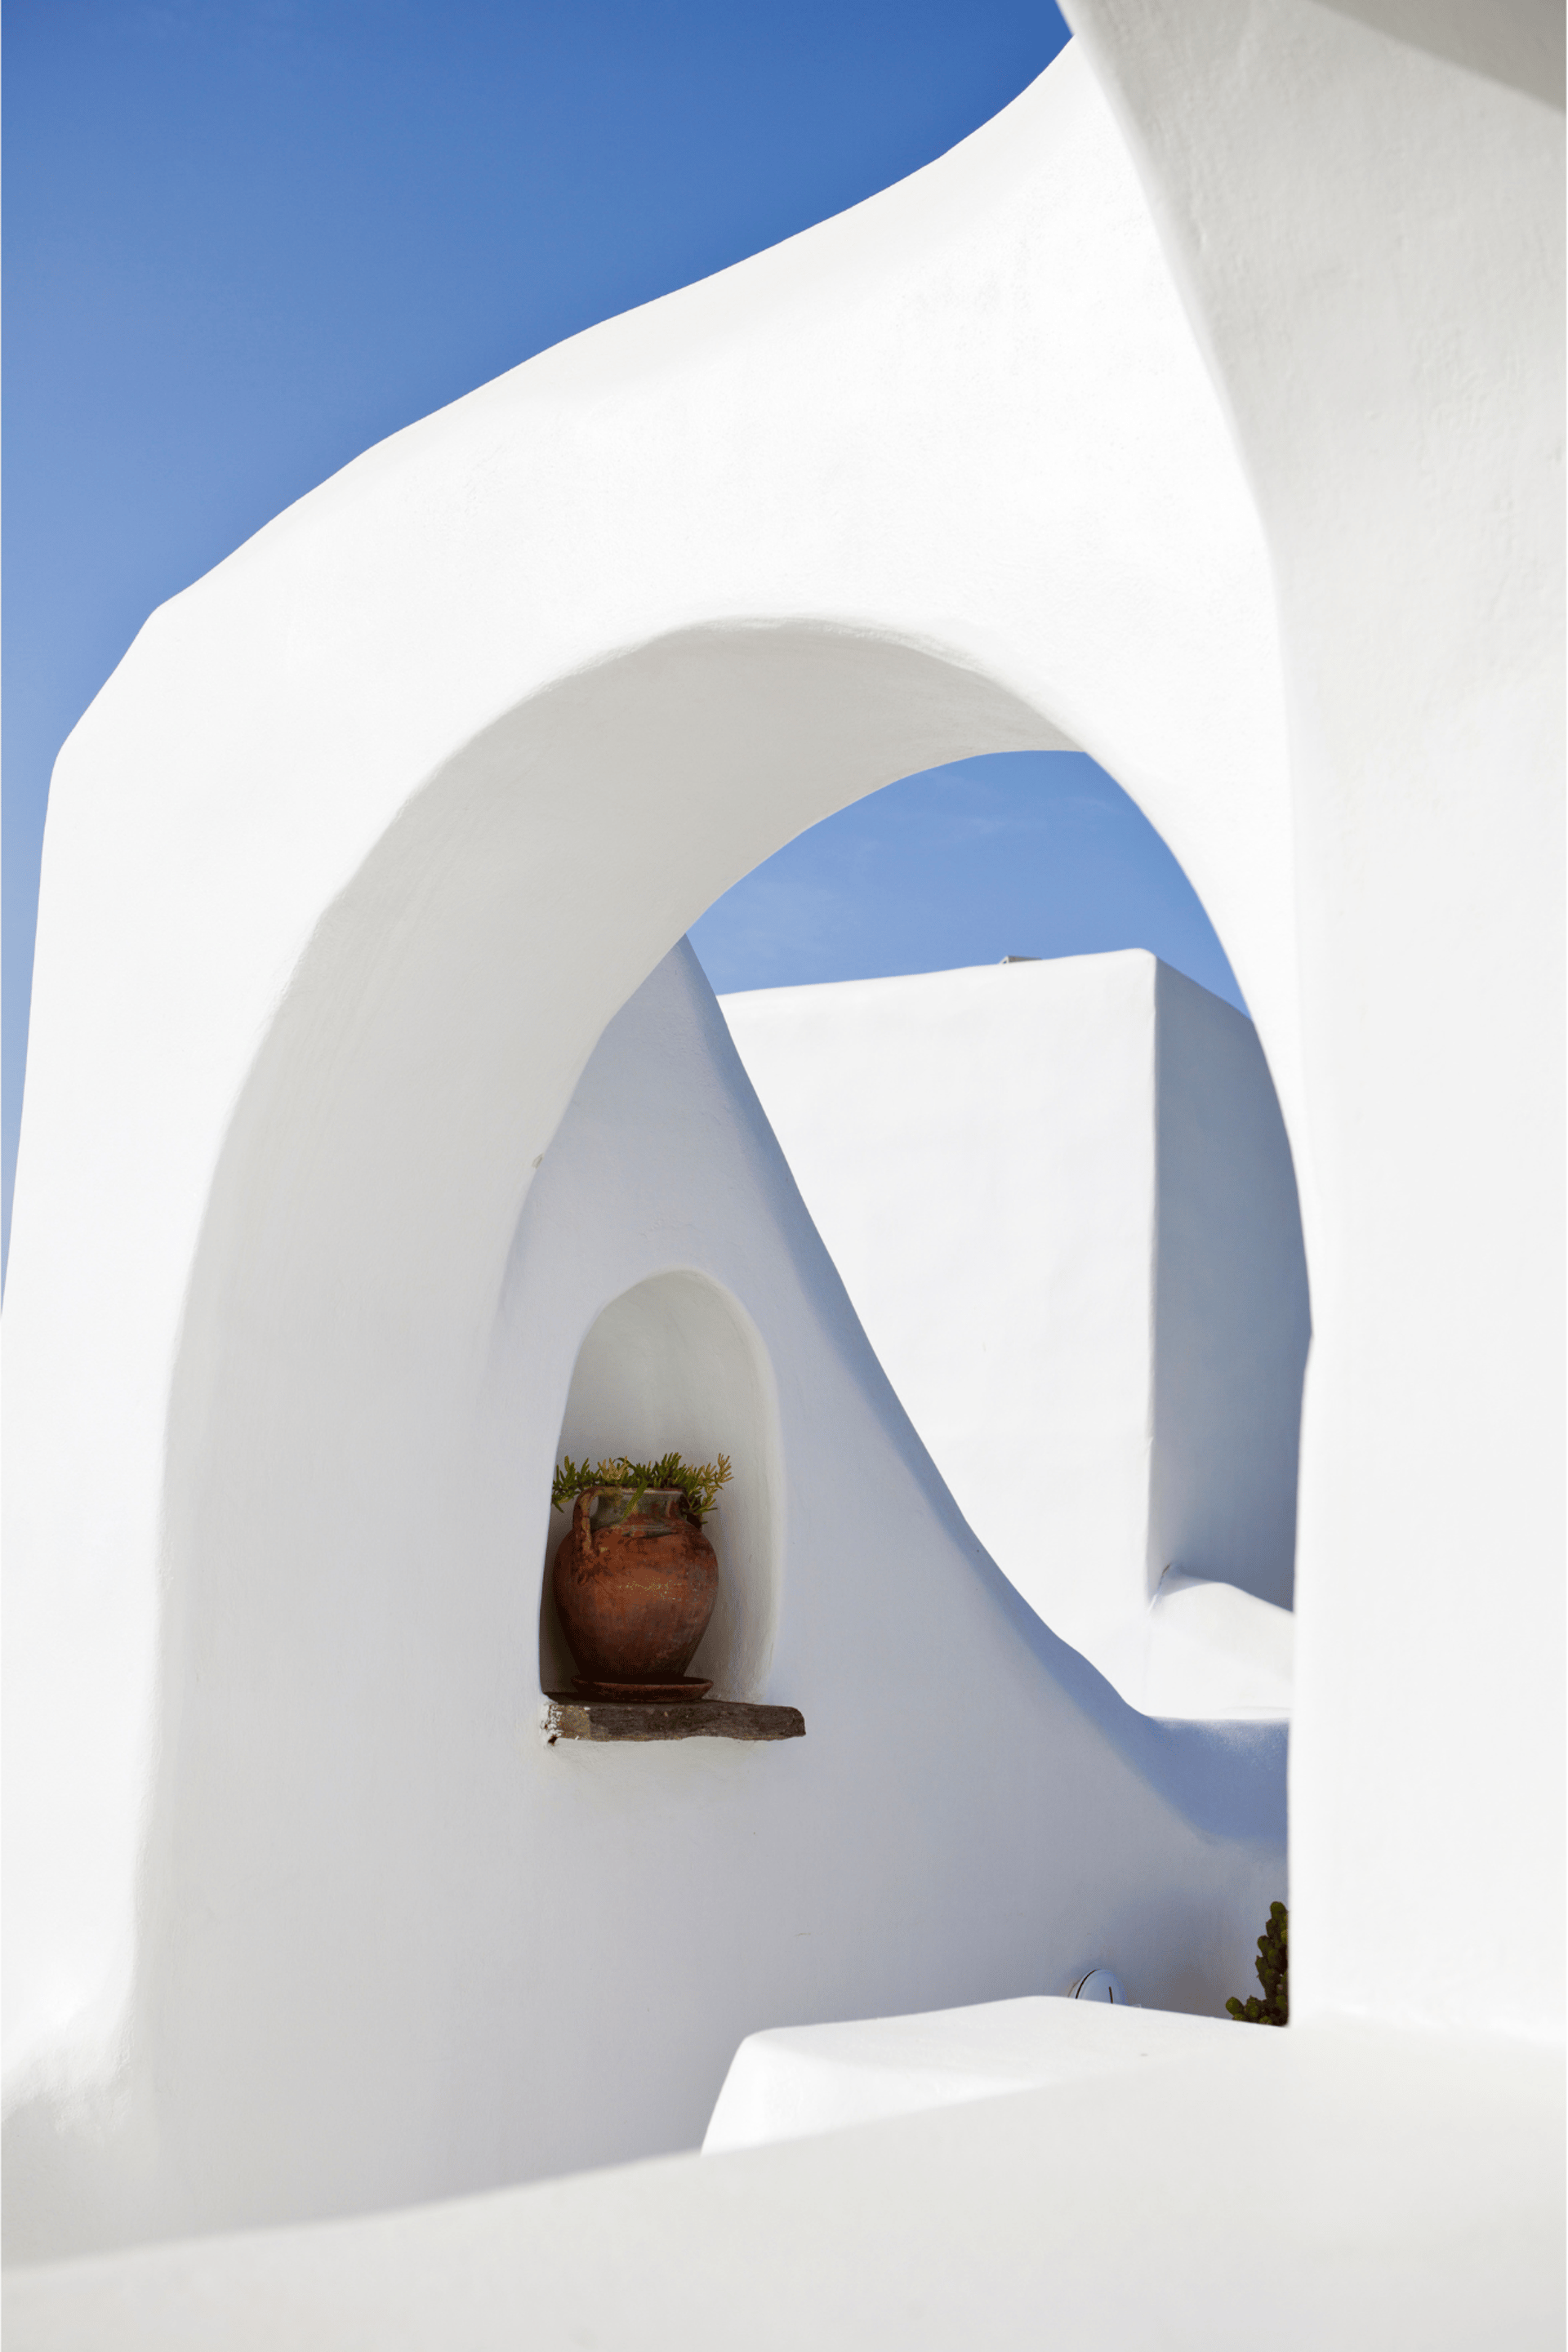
<point x="635" y="1583"/>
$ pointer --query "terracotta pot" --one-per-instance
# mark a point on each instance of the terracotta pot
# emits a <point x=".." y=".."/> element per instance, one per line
<point x="635" y="1583"/>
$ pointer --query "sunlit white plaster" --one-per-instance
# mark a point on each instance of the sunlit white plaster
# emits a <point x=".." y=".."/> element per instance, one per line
<point x="1203" y="412"/>
<point x="1060" y="1196"/>
<point x="395" y="1941"/>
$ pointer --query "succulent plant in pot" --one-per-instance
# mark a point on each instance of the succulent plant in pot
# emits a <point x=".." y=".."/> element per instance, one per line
<point x="635" y="1577"/>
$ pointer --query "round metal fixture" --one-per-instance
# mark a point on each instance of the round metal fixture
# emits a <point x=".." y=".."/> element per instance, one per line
<point x="1102" y="1985"/>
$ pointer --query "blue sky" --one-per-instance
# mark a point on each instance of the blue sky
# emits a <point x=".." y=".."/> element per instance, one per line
<point x="1025" y="852"/>
<point x="246" y="238"/>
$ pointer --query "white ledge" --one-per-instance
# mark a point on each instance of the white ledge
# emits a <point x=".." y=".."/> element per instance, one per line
<point x="1352" y="2185"/>
<point x="795" y="2080"/>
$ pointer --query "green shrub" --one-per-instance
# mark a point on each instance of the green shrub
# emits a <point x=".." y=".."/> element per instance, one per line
<point x="1273" y="1966"/>
<point x="700" y="1482"/>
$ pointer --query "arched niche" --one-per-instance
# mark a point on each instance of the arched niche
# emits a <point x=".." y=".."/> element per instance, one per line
<point x="676" y="1363"/>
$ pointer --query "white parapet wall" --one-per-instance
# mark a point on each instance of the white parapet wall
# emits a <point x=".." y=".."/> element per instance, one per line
<point x="795" y="2081"/>
<point x="1061" y="1198"/>
<point x="1169" y="2180"/>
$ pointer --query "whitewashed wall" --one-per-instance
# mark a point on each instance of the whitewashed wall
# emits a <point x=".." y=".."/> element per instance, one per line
<point x="376" y="828"/>
<point x="395" y="1945"/>
<point x="1060" y="1196"/>
<point x="1362" y="204"/>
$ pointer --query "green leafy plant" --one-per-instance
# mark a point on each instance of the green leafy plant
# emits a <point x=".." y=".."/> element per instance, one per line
<point x="1273" y="1966"/>
<point x="697" y="1482"/>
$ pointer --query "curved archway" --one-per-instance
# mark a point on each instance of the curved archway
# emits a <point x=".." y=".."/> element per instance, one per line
<point x="348" y="867"/>
<point x="367" y="842"/>
<point x="328" y="1415"/>
<point x="347" y="1506"/>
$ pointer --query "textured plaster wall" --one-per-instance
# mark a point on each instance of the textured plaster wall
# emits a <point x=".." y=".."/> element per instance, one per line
<point x="396" y="1946"/>
<point x="656" y="600"/>
<point x="1201" y="411"/>
<point x="977" y="1150"/>
<point x="1362" y="206"/>
<point x="1061" y="1198"/>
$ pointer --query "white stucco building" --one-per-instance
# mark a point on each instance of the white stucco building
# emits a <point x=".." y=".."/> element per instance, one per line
<point x="1061" y="1199"/>
<point x="1203" y="411"/>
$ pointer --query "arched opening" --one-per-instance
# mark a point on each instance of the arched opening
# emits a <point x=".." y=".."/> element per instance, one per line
<point x="676" y="1363"/>
<point x="1061" y="1196"/>
<point x="355" y="1499"/>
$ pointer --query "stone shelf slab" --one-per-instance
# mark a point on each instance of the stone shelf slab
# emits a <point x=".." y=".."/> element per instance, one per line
<point x="568" y="1717"/>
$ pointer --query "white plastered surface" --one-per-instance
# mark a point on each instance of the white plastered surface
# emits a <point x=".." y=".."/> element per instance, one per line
<point x="1061" y="1199"/>
<point x="1349" y="2186"/>
<point x="794" y="2081"/>
<point x="946" y="476"/>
